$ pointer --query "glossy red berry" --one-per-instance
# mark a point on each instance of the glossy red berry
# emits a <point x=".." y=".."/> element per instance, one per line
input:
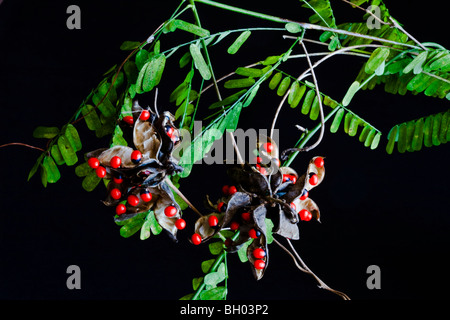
<point x="232" y="190"/>
<point x="319" y="162"/>
<point x="213" y="221"/>
<point x="234" y="225"/>
<point x="313" y="179"/>
<point x="115" y="194"/>
<point x="115" y="162"/>
<point x="136" y="156"/>
<point x="253" y="233"/>
<point x="170" y="131"/>
<point x="222" y="207"/>
<point x="128" y="119"/>
<point x="293" y="206"/>
<point x="145" y="115"/>
<point x="101" y="172"/>
<point x="225" y="189"/>
<point x="259" y="264"/>
<point x="246" y="216"/>
<point x="305" y="215"/>
<point x="268" y="147"/>
<point x="120" y="209"/>
<point x="93" y="163"/>
<point x="259" y="253"/>
<point x="304" y="195"/>
<point x="196" y="239"/>
<point x="180" y="224"/>
<point x="170" y="211"/>
<point x="133" y="200"/>
<point x="146" y="196"/>
<point x="289" y="177"/>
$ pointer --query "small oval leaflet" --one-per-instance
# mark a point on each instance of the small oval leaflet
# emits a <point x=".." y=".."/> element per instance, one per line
<point x="239" y="42"/>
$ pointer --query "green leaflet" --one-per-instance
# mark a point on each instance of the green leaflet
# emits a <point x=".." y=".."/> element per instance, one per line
<point x="117" y="138"/>
<point x="402" y="138"/>
<point x="376" y="140"/>
<point x="307" y="102"/>
<point x="91" y="117"/>
<point x="297" y="93"/>
<point x="186" y="26"/>
<point x="315" y="109"/>
<point x="83" y="170"/>
<point x="242" y="252"/>
<point x="131" y="227"/>
<point x="436" y="129"/>
<point x="377" y="59"/>
<point x="218" y="293"/>
<point x="353" y="126"/>
<point x="249" y="72"/>
<point x="67" y="151"/>
<point x="45" y="132"/>
<point x="293" y="27"/>
<point x="153" y="72"/>
<point x="56" y="154"/>
<point x="273" y="83"/>
<point x="284" y="86"/>
<point x="228" y="100"/>
<point x="199" y="61"/>
<point x="52" y="173"/>
<point x="417" y="63"/>
<point x="354" y="87"/>
<point x="207" y="264"/>
<point x="213" y="278"/>
<point x="106" y="107"/>
<point x="428" y="132"/>
<point x="35" y="166"/>
<point x="337" y="120"/>
<point x="72" y="135"/>
<point x="239" y="83"/>
<point x="141" y="58"/>
<point x="129" y="45"/>
<point x="216" y="247"/>
<point x="236" y="45"/>
<point x="90" y="181"/>
<point x="417" y="138"/>
<point x="251" y="96"/>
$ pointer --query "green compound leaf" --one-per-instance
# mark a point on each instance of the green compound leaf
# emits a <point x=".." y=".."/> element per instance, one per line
<point x="199" y="61"/>
<point x="45" y="132"/>
<point x="236" y="45"/>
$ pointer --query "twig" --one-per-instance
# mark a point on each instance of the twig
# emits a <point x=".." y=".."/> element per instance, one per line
<point x="367" y="11"/>
<point x="303" y="267"/>
<point x="181" y="195"/>
<point x="398" y="26"/>
<point x="21" y="144"/>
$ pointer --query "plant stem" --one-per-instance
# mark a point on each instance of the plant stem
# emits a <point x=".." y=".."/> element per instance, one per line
<point x="21" y="144"/>
<point x="302" y="24"/>
<point x="177" y="191"/>
<point x="214" y="267"/>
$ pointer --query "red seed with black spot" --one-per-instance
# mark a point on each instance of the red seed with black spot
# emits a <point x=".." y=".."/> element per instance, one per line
<point x="136" y="156"/>
<point x="304" y="195"/>
<point x="146" y="196"/>
<point x="259" y="253"/>
<point x="101" y="172"/>
<point x="313" y="179"/>
<point x="170" y="211"/>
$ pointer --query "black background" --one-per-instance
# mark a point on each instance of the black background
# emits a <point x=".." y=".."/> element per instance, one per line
<point x="377" y="209"/>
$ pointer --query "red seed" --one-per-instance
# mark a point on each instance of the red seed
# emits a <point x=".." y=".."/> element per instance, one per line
<point x="170" y="211"/>
<point x="259" y="264"/>
<point x="118" y="179"/>
<point x="259" y="253"/>
<point x="128" y="119"/>
<point x="232" y="190"/>
<point x="225" y="189"/>
<point x="246" y="216"/>
<point x="314" y="179"/>
<point x="170" y="131"/>
<point x="133" y="200"/>
<point x="120" y="209"/>
<point x="115" y="194"/>
<point x="196" y="239"/>
<point x="101" y="172"/>
<point x="115" y="162"/>
<point x="221" y="207"/>
<point x="319" y="162"/>
<point x="293" y="206"/>
<point x="305" y="215"/>
<point x="234" y="225"/>
<point x="93" y="163"/>
<point x="180" y="224"/>
<point x="136" y="156"/>
<point x="268" y="147"/>
<point x="252" y="233"/>
<point x="145" y="115"/>
<point x="146" y="196"/>
<point x="304" y="195"/>
<point x="213" y="221"/>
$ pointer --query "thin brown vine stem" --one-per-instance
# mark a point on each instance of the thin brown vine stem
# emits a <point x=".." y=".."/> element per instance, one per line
<point x="182" y="196"/>
<point x="21" y="144"/>
<point x="323" y="285"/>
<point x="367" y="11"/>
